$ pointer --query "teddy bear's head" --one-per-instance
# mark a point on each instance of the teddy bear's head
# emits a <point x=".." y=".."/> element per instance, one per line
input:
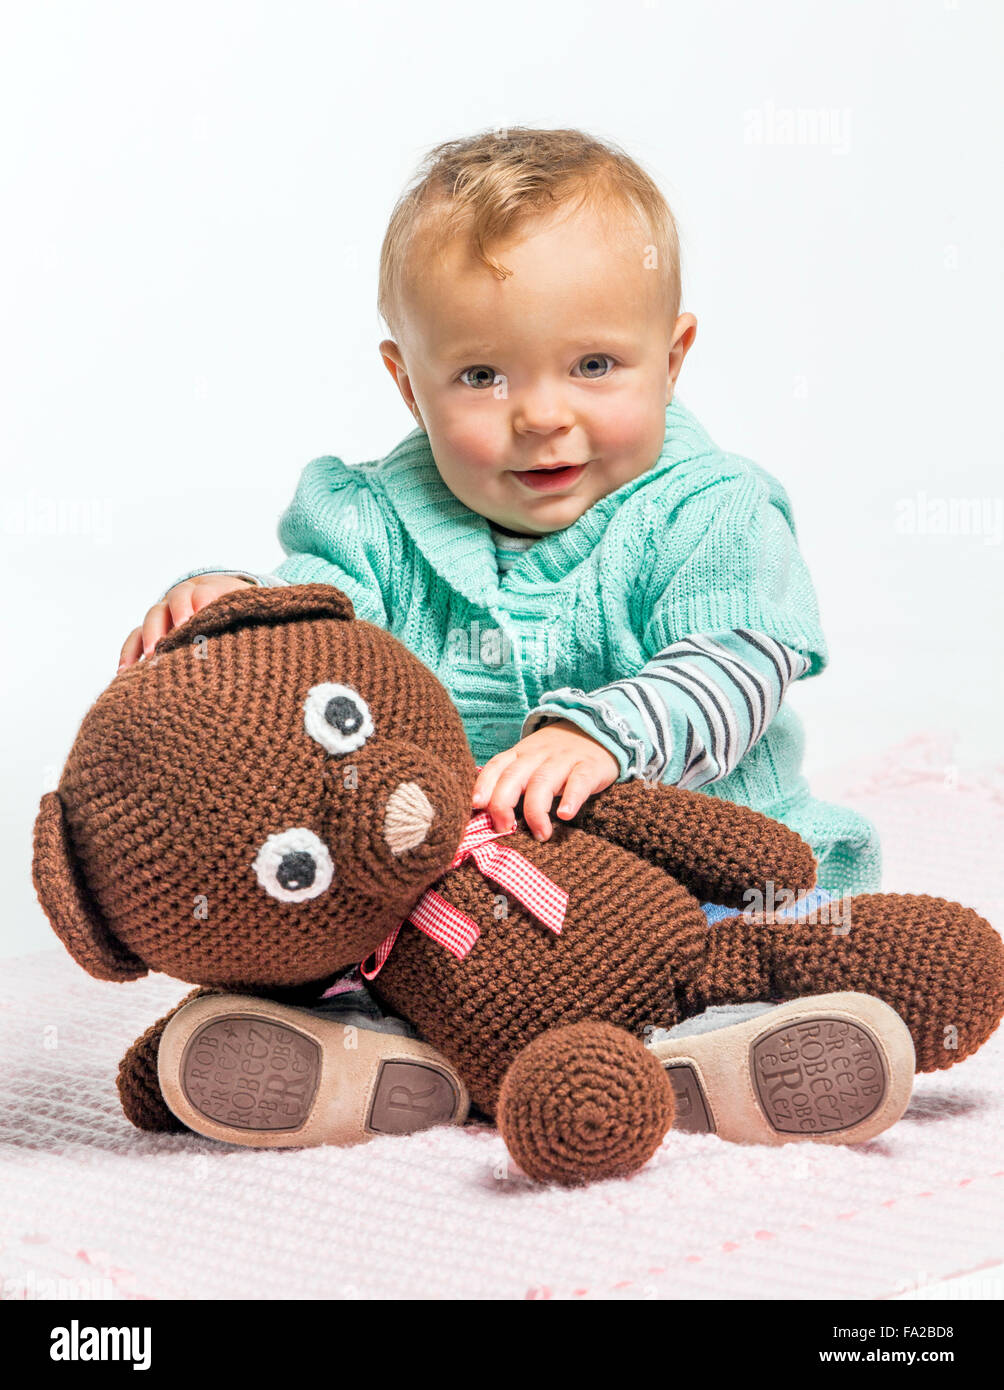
<point x="259" y="803"/>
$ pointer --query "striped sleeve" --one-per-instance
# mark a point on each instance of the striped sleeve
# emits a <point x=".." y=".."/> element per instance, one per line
<point x="691" y="713"/>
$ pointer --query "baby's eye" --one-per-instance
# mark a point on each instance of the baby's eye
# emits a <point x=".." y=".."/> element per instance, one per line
<point x="595" y="359"/>
<point x="487" y="376"/>
<point x="337" y="717"/>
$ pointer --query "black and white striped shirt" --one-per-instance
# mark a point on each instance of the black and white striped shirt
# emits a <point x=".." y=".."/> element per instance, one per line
<point x="691" y="713"/>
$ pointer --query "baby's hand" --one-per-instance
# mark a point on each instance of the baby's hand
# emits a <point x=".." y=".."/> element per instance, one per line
<point x="175" y="607"/>
<point x="557" y="757"/>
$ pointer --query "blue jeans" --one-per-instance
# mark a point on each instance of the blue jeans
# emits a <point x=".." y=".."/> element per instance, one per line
<point x="814" y="898"/>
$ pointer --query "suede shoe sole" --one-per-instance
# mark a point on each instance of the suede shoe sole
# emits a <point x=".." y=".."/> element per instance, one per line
<point x="834" y="1068"/>
<point x="252" y="1072"/>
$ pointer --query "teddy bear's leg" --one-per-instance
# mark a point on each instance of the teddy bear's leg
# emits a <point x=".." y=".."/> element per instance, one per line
<point x="937" y="963"/>
<point x="582" y="1103"/>
<point x="139" y="1089"/>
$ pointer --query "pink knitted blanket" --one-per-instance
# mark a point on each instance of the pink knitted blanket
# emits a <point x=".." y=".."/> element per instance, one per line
<point x="91" y="1207"/>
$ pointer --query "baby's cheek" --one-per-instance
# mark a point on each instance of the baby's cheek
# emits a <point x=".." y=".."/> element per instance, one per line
<point x="475" y="448"/>
<point x="625" y="434"/>
<point x="628" y="445"/>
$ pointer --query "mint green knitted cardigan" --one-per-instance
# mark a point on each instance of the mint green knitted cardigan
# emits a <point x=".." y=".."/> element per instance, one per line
<point x="702" y="542"/>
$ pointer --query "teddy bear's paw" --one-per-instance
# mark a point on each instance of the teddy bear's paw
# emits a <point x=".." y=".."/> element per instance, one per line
<point x="583" y="1103"/>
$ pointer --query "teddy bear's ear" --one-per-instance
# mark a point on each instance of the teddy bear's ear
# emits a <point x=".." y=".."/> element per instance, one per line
<point x="285" y="603"/>
<point x="63" y="894"/>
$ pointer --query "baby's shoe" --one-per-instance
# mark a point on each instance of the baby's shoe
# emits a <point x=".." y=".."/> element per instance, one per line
<point x="835" y="1068"/>
<point x="267" y="1075"/>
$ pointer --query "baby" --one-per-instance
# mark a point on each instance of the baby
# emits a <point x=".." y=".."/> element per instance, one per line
<point x="605" y="593"/>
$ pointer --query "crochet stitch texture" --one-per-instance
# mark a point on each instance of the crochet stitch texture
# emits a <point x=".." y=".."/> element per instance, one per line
<point x="188" y="763"/>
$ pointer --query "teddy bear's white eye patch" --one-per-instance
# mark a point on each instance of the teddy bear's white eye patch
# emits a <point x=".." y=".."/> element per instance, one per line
<point x="294" y="865"/>
<point x="337" y="717"/>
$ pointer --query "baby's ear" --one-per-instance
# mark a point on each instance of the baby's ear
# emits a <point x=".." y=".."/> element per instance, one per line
<point x="66" y="902"/>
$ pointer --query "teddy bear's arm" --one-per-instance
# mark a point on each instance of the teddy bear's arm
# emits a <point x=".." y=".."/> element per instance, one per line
<point x="719" y="849"/>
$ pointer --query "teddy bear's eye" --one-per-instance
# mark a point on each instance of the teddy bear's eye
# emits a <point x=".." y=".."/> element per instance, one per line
<point x="294" y="865"/>
<point x="337" y="717"/>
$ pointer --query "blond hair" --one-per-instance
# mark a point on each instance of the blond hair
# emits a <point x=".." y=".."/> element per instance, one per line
<point x="491" y="184"/>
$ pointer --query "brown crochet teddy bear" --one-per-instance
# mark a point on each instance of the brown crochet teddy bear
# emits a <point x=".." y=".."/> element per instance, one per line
<point x="270" y="797"/>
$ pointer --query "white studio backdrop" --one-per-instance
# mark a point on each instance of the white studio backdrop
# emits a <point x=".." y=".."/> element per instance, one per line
<point x="194" y="198"/>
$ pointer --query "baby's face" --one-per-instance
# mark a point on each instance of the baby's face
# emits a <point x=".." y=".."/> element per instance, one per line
<point x="570" y="360"/>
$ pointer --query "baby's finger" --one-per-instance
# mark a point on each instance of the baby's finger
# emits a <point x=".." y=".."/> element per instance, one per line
<point x="579" y="784"/>
<point x="156" y="625"/>
<point x="131" y="648"/>
<point x="179" y="602"/>
<point x="507" y="791"/>
<point x="489" y="775"/>
<point x="541" y="789"/>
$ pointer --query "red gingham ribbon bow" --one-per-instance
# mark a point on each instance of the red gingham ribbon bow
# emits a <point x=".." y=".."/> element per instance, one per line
<point x="505" y="866"/>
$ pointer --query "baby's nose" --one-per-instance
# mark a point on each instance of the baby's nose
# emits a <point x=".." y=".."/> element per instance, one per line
<point x="409" y="814"/>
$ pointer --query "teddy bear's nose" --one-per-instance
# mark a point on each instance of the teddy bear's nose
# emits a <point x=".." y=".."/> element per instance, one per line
<point x="408" y="816"/>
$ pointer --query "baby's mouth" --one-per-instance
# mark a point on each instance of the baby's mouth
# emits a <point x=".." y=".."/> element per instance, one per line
<point x="551" y="479"/>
